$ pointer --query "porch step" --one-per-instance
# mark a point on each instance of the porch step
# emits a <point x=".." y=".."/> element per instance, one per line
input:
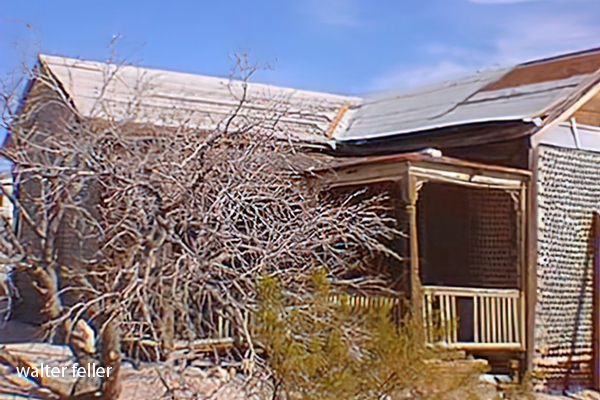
<point x="446" y="354"/>
<point x="446" y="369"/>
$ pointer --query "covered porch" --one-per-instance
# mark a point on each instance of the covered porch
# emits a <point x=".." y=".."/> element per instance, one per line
<point x="466" y="269"/>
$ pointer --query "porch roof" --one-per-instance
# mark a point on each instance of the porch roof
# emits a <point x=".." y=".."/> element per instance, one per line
<point x="427" y="165"/>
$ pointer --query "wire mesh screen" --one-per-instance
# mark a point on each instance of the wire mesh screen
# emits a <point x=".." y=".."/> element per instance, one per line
<point x="568" y="193"/>
<point x="395" y="270"/>
<point x="469" y="237"/>
<point x="494" y="237"/>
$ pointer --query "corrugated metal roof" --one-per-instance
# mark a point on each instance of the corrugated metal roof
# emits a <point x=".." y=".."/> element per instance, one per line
<point x="524" y="92"/>
<point x="455" y="103"/>
<point x="167" y="98"/>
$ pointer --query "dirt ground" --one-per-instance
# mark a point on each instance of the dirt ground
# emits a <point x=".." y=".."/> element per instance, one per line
<point x="155" y="381"/>
<point x="199" y="380"/>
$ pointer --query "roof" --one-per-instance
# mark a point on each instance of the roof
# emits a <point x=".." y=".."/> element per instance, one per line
<point x="523" y="93"/>
<point x="166" y="98"/>
<point x="521" y="98"/>
<point x="425" y="156"/>
<point x="425" y="164"/>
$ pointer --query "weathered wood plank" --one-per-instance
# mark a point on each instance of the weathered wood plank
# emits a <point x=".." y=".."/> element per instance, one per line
<point x="476" y="319"/>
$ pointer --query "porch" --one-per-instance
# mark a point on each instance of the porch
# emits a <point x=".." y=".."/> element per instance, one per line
<point x="466" y="269"/>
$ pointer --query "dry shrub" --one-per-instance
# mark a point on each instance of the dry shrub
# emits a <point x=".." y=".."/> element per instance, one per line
<point x="152" y="234"/>
<point x="191" y="234"/>
<point x="320" y="349"/>
<point x="159" y="231"/>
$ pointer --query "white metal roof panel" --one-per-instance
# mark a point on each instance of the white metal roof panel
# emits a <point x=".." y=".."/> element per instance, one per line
<point x="167" y="98"/>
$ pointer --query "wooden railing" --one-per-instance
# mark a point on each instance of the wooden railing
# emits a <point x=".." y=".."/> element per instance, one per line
<point x="225" y="330"/>
<point x="358" y="302"/>
<point x="495" y="322"/>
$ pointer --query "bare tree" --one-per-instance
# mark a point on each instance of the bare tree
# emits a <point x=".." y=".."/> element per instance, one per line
<point x="152" y="234"/>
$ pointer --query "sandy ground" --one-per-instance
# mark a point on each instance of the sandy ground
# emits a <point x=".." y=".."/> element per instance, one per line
<point x="200" y="380"/>
<point x="155" y="381"/>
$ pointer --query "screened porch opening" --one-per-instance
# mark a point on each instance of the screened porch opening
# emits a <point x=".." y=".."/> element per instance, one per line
<point x="464" y="258"/>
<point x="470" y="246"/>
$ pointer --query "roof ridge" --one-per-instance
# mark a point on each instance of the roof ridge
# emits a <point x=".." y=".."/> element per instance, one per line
<point x="47" y="58"/>
<point x="559" y="57"/>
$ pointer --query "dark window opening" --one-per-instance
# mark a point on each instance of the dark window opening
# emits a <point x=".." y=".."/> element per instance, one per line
<point x="468" y="237"/>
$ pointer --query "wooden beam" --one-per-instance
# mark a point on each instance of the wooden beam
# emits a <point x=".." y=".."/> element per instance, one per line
<point x="394" y="168"/>
<point x="471" y="291"/>
<point x="410" y="197"/>
<point x="586" y="117"/>
<point x="560" y="115"/>
<point x="529" y="262"/>
<point x="487" y="346"/>
<point x="336" y="121"/>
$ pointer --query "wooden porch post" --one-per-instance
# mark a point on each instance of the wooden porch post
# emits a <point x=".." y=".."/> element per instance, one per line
<point x="530" y="218"/>
<point x="410" y="198"/>
<point x="596" y="303"/>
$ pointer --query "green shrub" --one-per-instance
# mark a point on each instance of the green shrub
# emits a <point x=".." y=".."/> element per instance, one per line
<point x="319" y="347"/>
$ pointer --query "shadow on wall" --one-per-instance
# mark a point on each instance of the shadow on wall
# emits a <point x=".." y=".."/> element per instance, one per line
<point x="574" y="367"/>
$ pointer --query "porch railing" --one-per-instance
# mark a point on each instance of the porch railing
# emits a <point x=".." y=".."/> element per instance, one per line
<point x="495" y="322"/>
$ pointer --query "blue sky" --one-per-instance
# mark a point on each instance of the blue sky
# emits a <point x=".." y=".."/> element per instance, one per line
<point x="339" y="46"/>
